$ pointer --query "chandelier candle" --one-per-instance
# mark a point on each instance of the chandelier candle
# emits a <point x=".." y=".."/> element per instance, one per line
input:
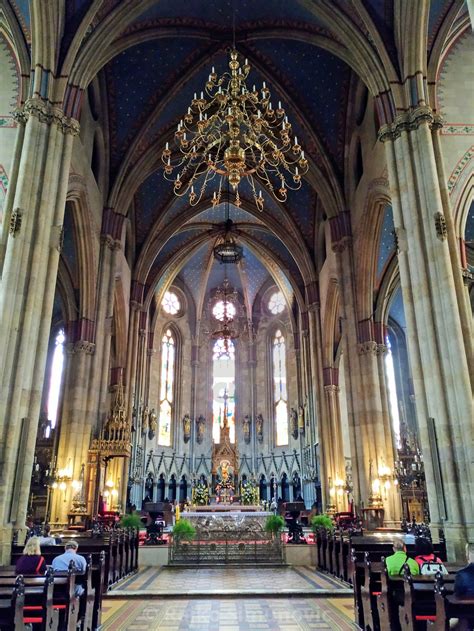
<point x="231" y="133"/>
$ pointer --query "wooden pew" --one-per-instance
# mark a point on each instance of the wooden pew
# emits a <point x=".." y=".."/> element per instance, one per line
<point x="369" y="590"/>
<point x="12" y="600"/>
<point x="448" y="606"/>
<point x="418" y="606"/>
<point x="32" y="602"/>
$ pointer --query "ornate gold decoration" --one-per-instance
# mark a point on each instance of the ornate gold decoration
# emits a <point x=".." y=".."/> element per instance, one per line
<point x="441" y="227"/>
<point x="232" y="134"/>
<point x="15" y="221"/>
<point x="115" y="438"/>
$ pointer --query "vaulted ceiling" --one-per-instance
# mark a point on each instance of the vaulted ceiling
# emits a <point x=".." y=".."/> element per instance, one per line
<point x="307" y="52"/>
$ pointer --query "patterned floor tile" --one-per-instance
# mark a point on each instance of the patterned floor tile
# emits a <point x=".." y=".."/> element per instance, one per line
<point x="267" y="614"/>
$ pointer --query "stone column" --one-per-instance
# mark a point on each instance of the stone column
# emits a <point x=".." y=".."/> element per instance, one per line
<point x="332" y="436"/>
<point x="75" y="427"/>
<point x="27" y="294"/>
<point x="436" y="344"/>
<point x="370" y="438"/>
<point x="111" y="232"/>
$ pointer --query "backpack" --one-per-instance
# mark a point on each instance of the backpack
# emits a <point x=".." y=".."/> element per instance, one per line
<point x="430" y="567"/>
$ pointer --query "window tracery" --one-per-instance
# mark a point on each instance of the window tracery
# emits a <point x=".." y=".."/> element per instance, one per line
<point x="171" y="303"/>
<point x="276" y="304"/>
<point x="223" y="387"/>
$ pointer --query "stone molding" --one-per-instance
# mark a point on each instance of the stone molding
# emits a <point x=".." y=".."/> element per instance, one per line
<point x="409" y="121"/>
<point x="47" y="113"/>
<point x="382" y="349"/>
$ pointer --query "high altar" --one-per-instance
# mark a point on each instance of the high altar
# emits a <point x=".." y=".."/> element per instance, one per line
<point x="224" y="467"/>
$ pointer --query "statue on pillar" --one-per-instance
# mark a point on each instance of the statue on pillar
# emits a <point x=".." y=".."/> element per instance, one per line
<point x="294" y="423"/>
<point x="246" y="428"/>
<point x="186" y="428"/>
<point x="201" y="423"/>
<point x="152" y="424"/>
<point x="145" y="419"/>
<point x="259" y="427"/>
<point x="301" y="419"/>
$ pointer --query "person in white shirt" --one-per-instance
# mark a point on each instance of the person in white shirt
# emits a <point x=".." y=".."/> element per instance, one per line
<point x="61" y="562"/>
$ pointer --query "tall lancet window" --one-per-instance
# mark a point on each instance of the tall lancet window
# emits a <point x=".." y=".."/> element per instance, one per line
<point x="56" y="378"/>
<point x="280" y="395"/>
<point x="223" y="388"/>
<point x="168" y="360"/>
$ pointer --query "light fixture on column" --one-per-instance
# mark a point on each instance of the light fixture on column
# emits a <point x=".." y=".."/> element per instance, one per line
<point x="231" y="132"/>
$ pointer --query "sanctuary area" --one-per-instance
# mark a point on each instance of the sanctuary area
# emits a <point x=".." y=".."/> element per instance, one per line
<point x="236" y="314"/>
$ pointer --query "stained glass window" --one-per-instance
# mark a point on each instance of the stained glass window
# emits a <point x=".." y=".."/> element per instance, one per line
<point x="168" y="354"/>
<point x="280" y="396"/>
<point x="170" y="303"/>
<point x="223" y="388"/>
<point x="392" y="391"/>
<point x="276" y="304"/>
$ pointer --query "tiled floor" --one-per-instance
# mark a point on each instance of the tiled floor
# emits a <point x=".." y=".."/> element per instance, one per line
<point x="230" y="580"/>
<point x="257" y="614"/>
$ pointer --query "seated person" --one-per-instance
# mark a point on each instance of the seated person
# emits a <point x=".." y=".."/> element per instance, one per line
<point x="464" y="581"/>
<point x="428" y="562"/>
<point x="31" y="561"/>
<point x="47" y="539"/>
<point x="61" y="562"/>
<point x="396" y="561"/>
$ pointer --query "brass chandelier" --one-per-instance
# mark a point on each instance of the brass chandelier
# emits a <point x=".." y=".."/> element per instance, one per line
<point x="230" y="132"/>
<point x="227" y="299"/>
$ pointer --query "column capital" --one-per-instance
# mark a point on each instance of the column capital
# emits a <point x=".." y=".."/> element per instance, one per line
<point x="81" y="346"/>
<point x="367" y="348"/>
<point x="48" y="114"/>
<point x="341" y="231"/>
<point x="332" y="389"/>
<point x="409" y="121"/>
<point x="111" y="229"/>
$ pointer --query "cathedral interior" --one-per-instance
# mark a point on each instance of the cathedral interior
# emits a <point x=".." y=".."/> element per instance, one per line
<point x="304" y="310"/>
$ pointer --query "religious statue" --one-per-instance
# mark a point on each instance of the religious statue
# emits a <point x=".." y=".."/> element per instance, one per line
<point x="153" y="424"/>
<point x="259" y="427"/>
<point x="186" y="428"/>
<point x="149" y="486"/>
<point x="246" y="427"/>
<point x="294" y="423"/>
<point x="301" y="419"/>
<point x="201" y="422"/>
<point x="145" y="417"/>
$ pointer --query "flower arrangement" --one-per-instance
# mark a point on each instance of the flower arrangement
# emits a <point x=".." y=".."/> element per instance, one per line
<point x="201" y="494"/>
<point x="249" y="494"/>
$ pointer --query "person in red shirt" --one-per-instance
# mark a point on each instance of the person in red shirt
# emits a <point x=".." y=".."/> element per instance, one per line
<point x="429" y="563"/>
<point x="31" y="561"/>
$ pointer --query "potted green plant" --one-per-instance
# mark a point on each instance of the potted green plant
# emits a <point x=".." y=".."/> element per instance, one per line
<point x="322" y="523"/>
<point x="274" y="525"/>
<point x="131" y="520"/>
<point x="183" y="531"/>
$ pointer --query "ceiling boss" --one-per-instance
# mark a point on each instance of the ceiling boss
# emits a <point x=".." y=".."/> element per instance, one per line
<point x="231" y="132"/>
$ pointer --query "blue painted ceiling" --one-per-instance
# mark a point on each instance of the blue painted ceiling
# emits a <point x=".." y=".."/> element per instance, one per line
<point x="387" y="241"/>
<point x="397" y="310"/>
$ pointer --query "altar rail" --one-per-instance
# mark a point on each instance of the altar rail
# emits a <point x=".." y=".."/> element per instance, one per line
<point x="226" y="549"/>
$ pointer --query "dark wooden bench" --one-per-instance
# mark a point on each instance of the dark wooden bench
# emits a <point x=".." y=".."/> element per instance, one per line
<point x="449" y="606"/>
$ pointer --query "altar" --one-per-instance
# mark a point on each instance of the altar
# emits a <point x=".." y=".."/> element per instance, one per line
<point x="224" y="508"/>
